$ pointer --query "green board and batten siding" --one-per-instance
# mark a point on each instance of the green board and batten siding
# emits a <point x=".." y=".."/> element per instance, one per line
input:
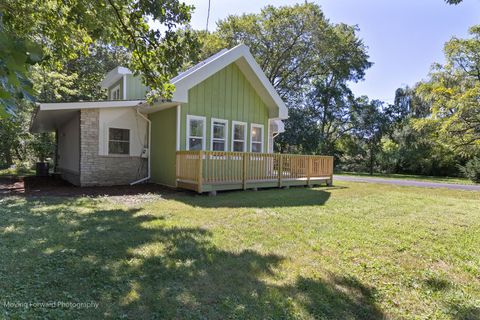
<point x="226" y="95"/>
<point x="136" y="90"/>
<point x="163" y="147"/>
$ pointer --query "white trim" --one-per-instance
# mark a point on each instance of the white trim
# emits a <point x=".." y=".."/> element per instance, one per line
<point x="250" y="68"/>
<point x="226" y="133"/>
<point x="90" y="105"/>
<point x="124" y="87"/>
<point x="113" y="90"/>
<point x="113" y="76"/>
<point x="269" y="137"/>
<point x="204" y="138"/>
<point x="179" y="115"/>
<point x="244" y="135"/>
<point x="261" y="126"/>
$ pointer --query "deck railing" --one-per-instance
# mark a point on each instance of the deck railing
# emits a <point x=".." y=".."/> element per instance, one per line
<point x="201" y="168"/>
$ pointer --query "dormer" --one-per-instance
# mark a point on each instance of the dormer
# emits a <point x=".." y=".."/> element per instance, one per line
<point x="121" y="84"/>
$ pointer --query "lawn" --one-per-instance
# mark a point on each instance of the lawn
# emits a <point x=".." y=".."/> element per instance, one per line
<point x="353" y="251"/>
<point x="454" y="180"/>
<point x="16" y="172"/>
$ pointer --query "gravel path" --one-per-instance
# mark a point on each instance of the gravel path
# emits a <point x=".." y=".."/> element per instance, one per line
<point x="412" y="183"/>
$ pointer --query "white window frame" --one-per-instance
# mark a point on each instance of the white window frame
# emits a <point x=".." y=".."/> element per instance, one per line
<point x="234" y="123"/>
<point x="112" y="92"/>
<point x="204" y="138"/>
<point x="261" y="126"/>
<point x="225" y="139"/>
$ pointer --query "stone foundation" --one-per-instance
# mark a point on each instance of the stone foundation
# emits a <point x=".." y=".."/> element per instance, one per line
<point x="97" y="170"/>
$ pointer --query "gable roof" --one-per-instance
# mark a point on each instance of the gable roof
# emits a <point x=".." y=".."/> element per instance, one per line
<point x="241" y="56"/>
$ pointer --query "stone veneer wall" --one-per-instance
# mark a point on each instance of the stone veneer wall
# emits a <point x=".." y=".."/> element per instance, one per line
<point x="97" y="170"/>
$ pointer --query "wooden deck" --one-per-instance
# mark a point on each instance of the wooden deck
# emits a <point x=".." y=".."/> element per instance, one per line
<point x="207" y="171"/>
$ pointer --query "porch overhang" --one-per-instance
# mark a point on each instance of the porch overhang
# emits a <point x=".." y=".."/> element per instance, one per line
<point x="50" y="116"/>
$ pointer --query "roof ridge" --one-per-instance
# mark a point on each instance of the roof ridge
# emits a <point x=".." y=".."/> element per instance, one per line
<point x="198" y="65"/>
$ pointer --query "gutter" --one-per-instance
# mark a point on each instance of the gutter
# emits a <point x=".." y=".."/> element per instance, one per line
<point x="149" y="149"/>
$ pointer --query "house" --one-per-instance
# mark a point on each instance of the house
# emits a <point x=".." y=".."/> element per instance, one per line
<point x="222" y="110"/>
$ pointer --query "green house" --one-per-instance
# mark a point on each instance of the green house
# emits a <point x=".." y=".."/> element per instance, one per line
<point x="215" y="133"/>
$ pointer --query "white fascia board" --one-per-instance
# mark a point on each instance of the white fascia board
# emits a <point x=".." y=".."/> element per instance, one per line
<point x="113" y="76"/>
<point x="190" y="80"/>
<point x="272" y="98"/>
<point x="282" y="108"/>
<point x="90" y="105"/>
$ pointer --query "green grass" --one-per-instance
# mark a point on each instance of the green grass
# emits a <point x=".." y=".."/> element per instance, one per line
<point x="354" y="251"/>
<point x="454" y="180"/>
<point x="16" y="172"/>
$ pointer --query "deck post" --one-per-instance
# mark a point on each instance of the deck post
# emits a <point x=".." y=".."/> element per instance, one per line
<point x="309" y="160"/>
<point x="280" y="170"/>
<point x="200" y="172"/>
<point x="330" y="182"/>
<point x="244" y="172"/>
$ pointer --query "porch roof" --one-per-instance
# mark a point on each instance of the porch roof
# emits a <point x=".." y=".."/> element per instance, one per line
<point x="50" y="116"/>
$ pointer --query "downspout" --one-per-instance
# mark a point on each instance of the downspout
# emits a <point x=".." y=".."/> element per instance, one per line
<point x="149" y="149"/>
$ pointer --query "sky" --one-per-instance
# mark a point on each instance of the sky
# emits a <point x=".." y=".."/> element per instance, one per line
<point x="404" y="37"/>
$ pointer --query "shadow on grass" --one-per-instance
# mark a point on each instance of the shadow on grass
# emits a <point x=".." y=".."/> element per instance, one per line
<point x="139" y="266"/>
<point x="464" y="312"/>
<point x="263" y="198"/>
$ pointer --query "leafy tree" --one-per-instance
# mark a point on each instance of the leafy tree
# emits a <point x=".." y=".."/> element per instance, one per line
<point x="62" y="29"/>
<point x="371" y="122"/>
<point x="413" y="150"/>
<point x="77" y="80"/>
<point x="309" y="61"/>
<point x="16" y="55"/>
<point x="471" y="170"/>
<point x="453" y="92"/>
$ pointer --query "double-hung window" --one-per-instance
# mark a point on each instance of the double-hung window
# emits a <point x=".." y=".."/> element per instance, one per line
<point x="219" y="135"/>
<point x="118" y="141"/>
<point x="115" y="93"/>
<point x="256" y="137"/>
<point x="196" y="130"/>
<point x="239" y="136"/>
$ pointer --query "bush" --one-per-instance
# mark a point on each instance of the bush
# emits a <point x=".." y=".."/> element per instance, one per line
<point x="471" y="170"/>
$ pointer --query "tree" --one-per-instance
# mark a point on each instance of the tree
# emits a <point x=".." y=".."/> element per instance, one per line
<point x="60" y="29"/>
<point x="77" y="80"/>
<point x="309" y="61"/>
<point x="370" y="125"/>
<point x="453" y="92"/>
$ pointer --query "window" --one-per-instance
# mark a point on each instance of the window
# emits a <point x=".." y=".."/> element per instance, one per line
<point x="195" y="133"/>
<point x="219" y="135"/>
<point x="256" y="138"/>
<point x="239" y="135"/>
<point x="118" y="141"/>
<point x="115" y="93"/>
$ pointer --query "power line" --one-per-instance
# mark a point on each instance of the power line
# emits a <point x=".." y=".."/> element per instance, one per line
<point x="208" y="15"/>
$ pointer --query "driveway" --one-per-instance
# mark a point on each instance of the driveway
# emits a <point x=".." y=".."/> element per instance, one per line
<point x="411" y="183"/>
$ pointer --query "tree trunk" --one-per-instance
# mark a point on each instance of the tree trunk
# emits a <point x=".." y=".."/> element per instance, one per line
<point x="8" y="157"/>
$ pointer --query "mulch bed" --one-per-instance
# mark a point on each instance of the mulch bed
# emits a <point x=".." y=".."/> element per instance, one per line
<point x="50" y="186"/>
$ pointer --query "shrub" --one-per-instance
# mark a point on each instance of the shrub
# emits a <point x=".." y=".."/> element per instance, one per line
<point x="471" y="170"/>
